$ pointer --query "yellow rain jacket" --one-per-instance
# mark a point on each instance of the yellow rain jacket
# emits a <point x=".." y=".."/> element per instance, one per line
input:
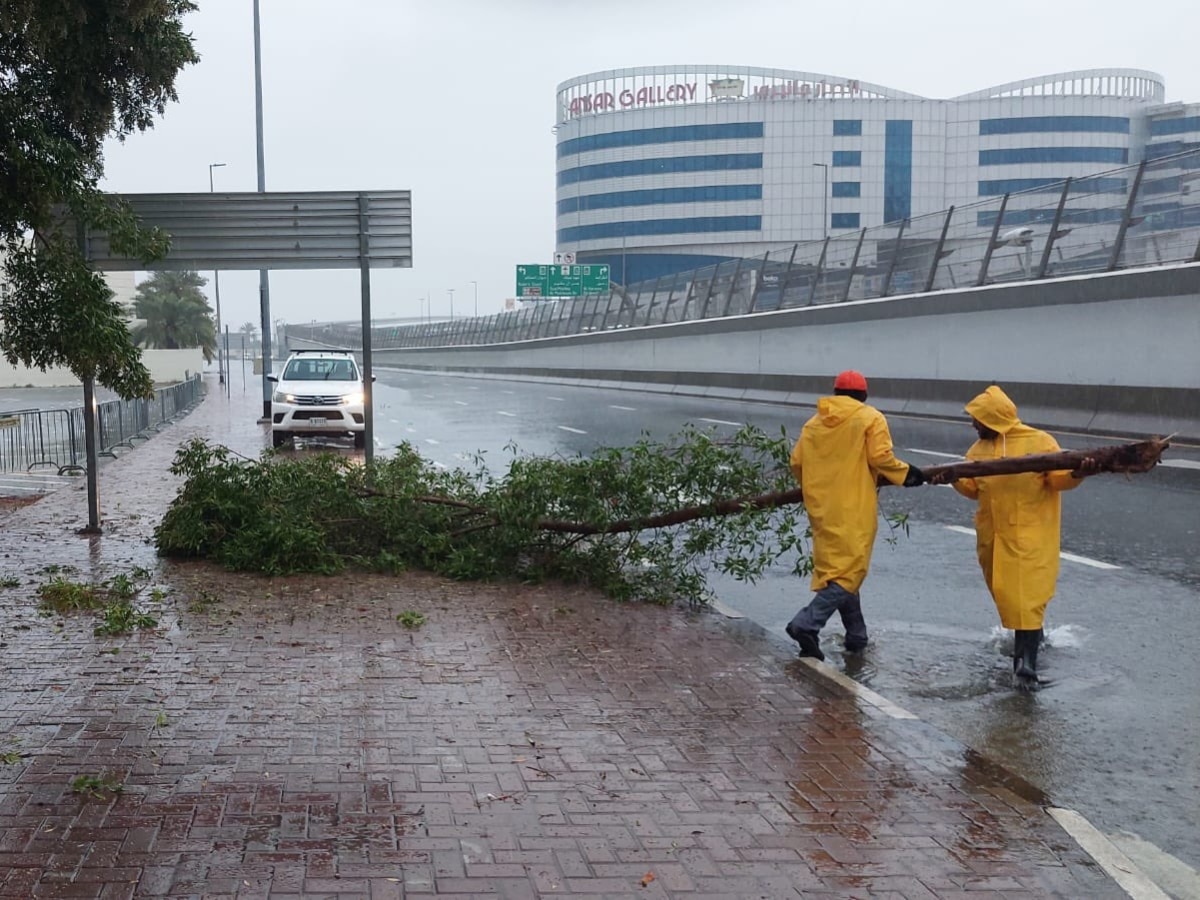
<point x="1017" y="523"/>
<point x="841" y="451"/>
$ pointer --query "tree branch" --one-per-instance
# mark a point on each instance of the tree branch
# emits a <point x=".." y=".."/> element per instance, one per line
<point x="1138" y="457"/>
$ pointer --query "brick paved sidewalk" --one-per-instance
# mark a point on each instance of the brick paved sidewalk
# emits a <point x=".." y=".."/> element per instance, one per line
<point x="289" y="738"/>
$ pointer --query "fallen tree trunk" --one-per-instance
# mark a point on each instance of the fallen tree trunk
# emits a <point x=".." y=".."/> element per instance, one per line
<point x="1141" y="456"/>
<point x="678" y="516"/>
<point x="1120" y="458"/>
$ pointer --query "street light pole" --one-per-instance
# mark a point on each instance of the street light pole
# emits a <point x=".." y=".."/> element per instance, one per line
<point x="264" y="282"/>
<point x="824" y="200"/>
<point x="450" y="291"/>
<point x="217" y="290"/>
<point x="475" y="284"/>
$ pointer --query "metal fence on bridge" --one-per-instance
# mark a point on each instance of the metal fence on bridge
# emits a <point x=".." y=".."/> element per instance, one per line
<point x="1141" y="215"/>
<point x="30" y="439"/>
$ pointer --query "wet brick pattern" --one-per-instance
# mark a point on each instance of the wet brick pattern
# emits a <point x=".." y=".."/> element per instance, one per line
<point x="289" y="738"/>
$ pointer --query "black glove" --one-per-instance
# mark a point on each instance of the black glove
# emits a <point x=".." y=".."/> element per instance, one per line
<point x="914" y="477"/>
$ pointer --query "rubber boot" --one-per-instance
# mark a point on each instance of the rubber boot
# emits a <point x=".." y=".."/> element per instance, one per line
<point x="854" y="623"/>
<point x="810" y="643"/>
<point x="1025" y="654"/>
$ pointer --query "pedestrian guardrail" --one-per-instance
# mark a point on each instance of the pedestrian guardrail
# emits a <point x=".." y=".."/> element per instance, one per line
<point x="54" y="438"/>
<point x="1135" y="216"/>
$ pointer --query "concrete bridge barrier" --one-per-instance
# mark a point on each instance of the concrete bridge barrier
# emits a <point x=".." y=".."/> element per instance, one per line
<point x="1115" y="354"/>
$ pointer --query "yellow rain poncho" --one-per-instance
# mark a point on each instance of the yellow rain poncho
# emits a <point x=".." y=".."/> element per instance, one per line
<point x="1017" y="523"/>
<point x="841" y="451"/>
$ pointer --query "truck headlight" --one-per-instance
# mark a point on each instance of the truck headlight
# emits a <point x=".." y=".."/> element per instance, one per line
<point x="352" y="399"/>
<point x="281" y="397"/>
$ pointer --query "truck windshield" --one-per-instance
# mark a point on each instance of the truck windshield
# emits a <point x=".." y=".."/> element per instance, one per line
<point x="320" y="370"/>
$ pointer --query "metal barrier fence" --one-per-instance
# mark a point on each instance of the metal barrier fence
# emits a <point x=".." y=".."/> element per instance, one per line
<point x="54" y="437"/>
<point x="1141" y="215"/>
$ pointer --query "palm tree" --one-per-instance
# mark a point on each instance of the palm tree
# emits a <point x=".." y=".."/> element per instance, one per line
<point x="175" y="312"/>
<point x="249" y="333"/>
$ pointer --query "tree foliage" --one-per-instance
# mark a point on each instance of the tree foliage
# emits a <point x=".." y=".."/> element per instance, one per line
<point x="605" y="520"/>
<point x="72" y="73"/>
<point x="175" y="313"/>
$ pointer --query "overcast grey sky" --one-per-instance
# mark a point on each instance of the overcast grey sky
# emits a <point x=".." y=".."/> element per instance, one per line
<point x="454" y="100"/>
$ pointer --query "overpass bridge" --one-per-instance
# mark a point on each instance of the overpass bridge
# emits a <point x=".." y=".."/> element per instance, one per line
<point x="1082" y="298"/>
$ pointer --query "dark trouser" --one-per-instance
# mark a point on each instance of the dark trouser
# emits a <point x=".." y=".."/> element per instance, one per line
<point x="833" y="597"/>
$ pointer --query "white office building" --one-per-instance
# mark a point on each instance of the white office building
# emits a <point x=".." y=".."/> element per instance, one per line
<point x="668" y="168"/>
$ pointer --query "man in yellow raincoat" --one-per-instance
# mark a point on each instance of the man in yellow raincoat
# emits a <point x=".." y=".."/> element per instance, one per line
<point x="1017" y="523"/>
<point x="842" y="453"/>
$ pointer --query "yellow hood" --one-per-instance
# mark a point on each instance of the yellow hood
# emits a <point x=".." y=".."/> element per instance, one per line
<point x="833" y="410"/>
<point x="995" y="410"/>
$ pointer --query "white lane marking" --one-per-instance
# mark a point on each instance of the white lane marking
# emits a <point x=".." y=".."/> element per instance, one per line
<point x="410" y="430"/>
<point x="723" y="422"/>
<point x="1180" y="463"/>
<point x="1086" y="561"/>
<point x="570" y="429"/>
<point x="935" y="453"/>
<point x="557" y="399"/>
<point x="506" y="392"/>
<point x="1120" y="868"/>
<point x="472" y="387"/>
<point x="432" y="441"/>
<point x="865" y="694"/>
<point x="461" y="402"/>
<point x="427" y="396"/>
<point x="501" y="412"/>
<point x="378" y="442"/>
<point x="626" y="408"/>
<point x="1070" y="557"/>
<point x="394" y="421"/>
<point x="438" y="465"/>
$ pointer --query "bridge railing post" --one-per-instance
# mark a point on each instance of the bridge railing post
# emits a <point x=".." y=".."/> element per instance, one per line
<point x="812" y="292"/>
<point x="937" y="252"/>
<point x="862" y="236"/>
<point x="1054" y="235"/>
<point x="887" y="284"/>
<point x="991" y="246"/>
<point x="737" y="270"/>
<point x="1119" y="245"/>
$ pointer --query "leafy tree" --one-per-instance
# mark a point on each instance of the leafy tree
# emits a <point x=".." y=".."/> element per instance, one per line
<point x="646" y="521"/>
<point x="176" y="313"/>
<point x="72" y="73"/>
<point x="249" y="333"/>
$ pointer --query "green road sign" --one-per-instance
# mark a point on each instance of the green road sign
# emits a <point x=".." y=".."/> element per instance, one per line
<point x="540" y="280"/>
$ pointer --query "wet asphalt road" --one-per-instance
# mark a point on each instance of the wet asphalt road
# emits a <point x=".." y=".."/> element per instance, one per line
<point x="1116" y="732"/>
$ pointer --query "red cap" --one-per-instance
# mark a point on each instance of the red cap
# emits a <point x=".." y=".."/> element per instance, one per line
<point x="850" y="380"/>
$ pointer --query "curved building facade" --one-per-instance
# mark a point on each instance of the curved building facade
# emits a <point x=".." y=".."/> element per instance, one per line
<point x="662" y="169"/>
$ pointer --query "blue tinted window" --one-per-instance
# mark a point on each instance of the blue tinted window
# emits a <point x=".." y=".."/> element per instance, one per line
<point x="1171" y="148"/>
<point x="844" y="220"/>
<point x="1053" y="155"/>
<point x="847" y="189"/>
<point x="660" y="166"/>
<point x="847" y="127"/>
<point x="659" y="226"/>
<point x="1172" y="184"/>
<point x="715" y="192"/>
<point x="643" y="136"/>
<point x="846" y="158"/>
<point x="1039" y="124"/>
<point x="1051" y="186"/>
<point x="897" y="170"/>
<point x="631" y="268"/>
<point x="1182" y="125"/>
<point x="1017" y="217"/>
